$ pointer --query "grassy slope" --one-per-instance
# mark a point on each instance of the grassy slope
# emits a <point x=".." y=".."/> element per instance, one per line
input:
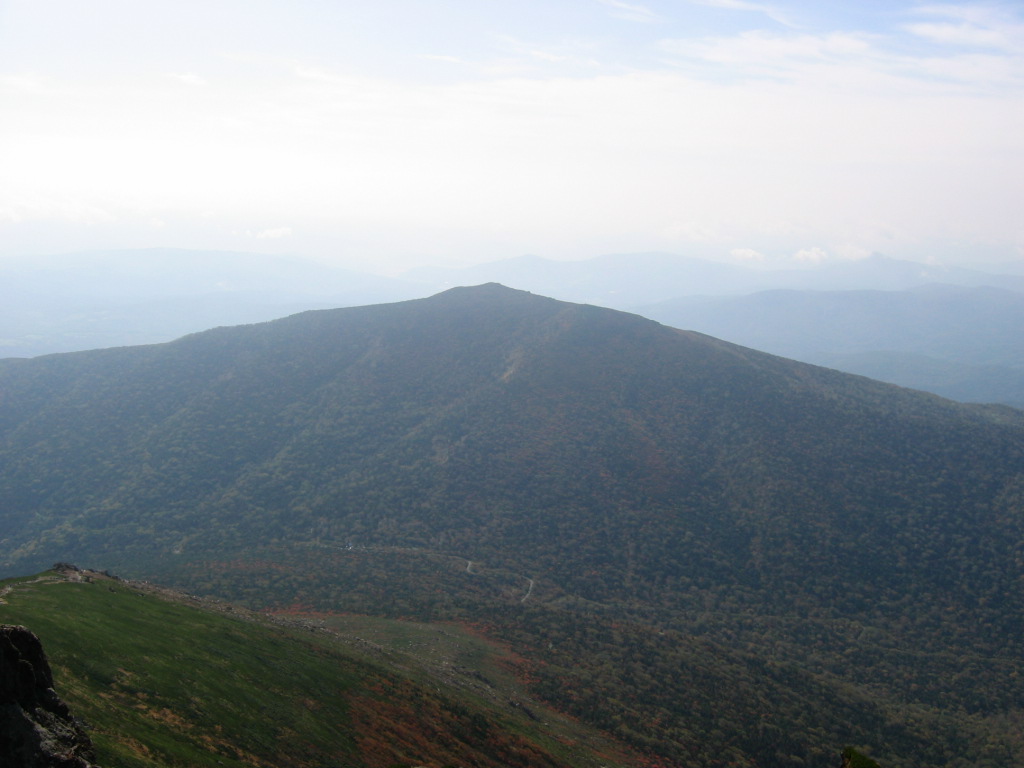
<point x="165" y="681"/>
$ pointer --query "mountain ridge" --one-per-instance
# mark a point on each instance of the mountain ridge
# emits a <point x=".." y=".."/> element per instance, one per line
<point x="959" y="342"/>
<point x="108" y="298"/>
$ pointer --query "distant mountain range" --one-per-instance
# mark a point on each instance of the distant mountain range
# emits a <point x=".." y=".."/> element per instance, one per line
<point x="959" y="342"/>
<point x="628" y="281"/>
<point x="713" y="554"/>
<point x="97" y="300"/>
<point x="119" y="298"/>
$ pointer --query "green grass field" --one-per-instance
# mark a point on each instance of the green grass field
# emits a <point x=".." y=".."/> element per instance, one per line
<point x="162" y="679"/>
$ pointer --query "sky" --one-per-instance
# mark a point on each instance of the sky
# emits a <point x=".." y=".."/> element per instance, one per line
<point x="385" y="134"/>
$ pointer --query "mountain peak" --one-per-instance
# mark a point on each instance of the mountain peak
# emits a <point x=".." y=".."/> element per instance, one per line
<point x="488" y="296"/>
<point x="491" y="288"/>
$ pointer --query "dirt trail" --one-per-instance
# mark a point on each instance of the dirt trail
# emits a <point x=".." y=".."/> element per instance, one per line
<point x="528" y="591"/>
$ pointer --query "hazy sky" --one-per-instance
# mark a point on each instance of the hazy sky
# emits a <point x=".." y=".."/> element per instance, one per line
<point x="384" y="133"/>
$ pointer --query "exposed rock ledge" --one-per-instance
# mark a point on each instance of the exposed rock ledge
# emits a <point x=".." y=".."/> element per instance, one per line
<point x="36" y="727"/>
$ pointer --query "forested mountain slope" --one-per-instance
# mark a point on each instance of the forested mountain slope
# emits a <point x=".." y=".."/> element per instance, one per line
<point x="715" y="554"/>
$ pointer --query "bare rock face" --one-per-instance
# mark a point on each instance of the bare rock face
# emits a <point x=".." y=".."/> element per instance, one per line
<point x="36" y="727"/>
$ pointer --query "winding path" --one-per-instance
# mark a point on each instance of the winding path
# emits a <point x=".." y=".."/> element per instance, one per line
<point x="528" y="591"/>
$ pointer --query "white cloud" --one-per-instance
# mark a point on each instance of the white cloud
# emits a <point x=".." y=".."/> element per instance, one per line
<point x="813" y="255"/>
<point x="442" y="58"/>
<point x="758" y="142"/>
<point x="630" y="11"/>
<point x="654" y="158"/>
<point x="971" y="25"/>
<point x="315" y="73"/>
<point x="25" y="83"/>
<point x="857" y="60"/>
<point x="836" y="61"/>
<point x="747" y="255"/>
<point x="770" y="11"/>
<point x="691" y="231"/>
<point x="974" y="44"/>
<point x="10" y="214"/>
<point x="758" y="51"/>
<point x="188" y="78"/>
<point x="852" y="252"/>
<point x="959" y="34"/>
<point x="273" y="234"/>
<point x="531" y="59"/>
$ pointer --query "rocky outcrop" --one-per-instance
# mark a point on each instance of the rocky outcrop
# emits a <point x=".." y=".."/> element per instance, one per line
<point x="36" y="727"/>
